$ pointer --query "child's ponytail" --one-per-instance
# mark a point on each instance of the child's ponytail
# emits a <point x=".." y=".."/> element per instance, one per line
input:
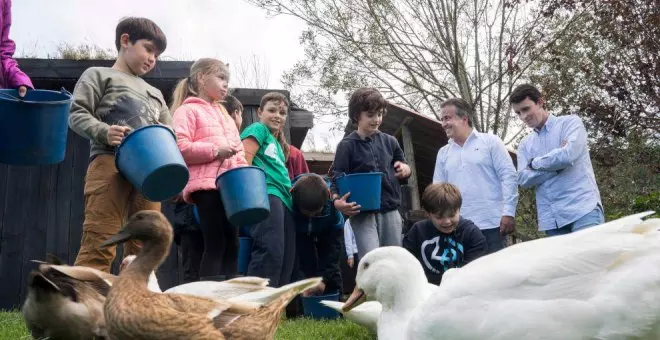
<point x="285" y="146"/>
<point x="182" y="91"/>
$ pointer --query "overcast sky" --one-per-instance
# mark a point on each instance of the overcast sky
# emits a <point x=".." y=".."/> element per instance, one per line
<point x="225" y="29"/>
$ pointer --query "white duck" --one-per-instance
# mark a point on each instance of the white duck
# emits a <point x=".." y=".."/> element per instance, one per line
<point x="366" y="314"/>
<point x="601" y="283"/>
<point x="246" y="289"/>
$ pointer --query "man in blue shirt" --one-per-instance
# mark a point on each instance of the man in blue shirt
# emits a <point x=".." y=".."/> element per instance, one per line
<point x="554" y="160"/>
<point x="480" y="166"/>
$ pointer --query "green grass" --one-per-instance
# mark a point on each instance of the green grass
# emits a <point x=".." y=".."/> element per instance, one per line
<point x="312" y="329"/>
<point x="12" y="327"/>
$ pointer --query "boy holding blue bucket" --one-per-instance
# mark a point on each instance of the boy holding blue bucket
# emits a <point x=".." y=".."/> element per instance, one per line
<point x="274" y="239"/>
<point x="369" y="150"/>
<point x="107" y="104"/>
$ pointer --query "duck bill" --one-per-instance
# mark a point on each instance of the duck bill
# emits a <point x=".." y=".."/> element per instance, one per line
<point x="115" y="239"/>
<point x="357" y="298"/>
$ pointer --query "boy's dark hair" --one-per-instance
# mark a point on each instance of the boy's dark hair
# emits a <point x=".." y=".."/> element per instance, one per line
<point x="442" y="199"/>
<point x="365" y="99"/>
<point x="140" y="28"/>
<point x="232" y="104"/>
<point x="310" y="192"/>
<point x="463" y="109"/>
<point x="525" y="91"/>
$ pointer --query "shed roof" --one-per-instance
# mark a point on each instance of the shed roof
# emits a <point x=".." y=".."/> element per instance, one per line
<point x="54" y="74"/>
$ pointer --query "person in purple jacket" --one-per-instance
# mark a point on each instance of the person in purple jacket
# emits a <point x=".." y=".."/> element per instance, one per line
<point x="10" y="75"/>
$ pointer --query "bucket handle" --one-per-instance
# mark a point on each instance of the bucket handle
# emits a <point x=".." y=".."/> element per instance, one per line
<point x="10" y="97"/>
<point x="64" y="91"/>
<point x="220" y="167"/>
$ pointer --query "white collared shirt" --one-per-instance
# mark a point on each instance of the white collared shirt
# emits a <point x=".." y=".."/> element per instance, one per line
<point x="484" y="173"/>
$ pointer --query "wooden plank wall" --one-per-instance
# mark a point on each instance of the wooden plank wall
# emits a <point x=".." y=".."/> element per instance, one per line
<point x="41" y="212"/>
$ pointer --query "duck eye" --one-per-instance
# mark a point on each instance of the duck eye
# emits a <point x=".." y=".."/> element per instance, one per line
<point x="366" y="265"/>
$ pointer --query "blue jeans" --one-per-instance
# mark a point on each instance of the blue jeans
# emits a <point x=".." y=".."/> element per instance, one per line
<point x="494" y="240"/>
<point x="593" y="218"/>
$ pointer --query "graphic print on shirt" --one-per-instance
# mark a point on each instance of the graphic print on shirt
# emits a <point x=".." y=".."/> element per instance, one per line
<point x="271" y="151"/>
<point x="133" y="112"/>
<point x="439" y="262"/>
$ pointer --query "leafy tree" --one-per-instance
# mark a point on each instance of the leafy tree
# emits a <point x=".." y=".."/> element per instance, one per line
<point x="608" y="69"/>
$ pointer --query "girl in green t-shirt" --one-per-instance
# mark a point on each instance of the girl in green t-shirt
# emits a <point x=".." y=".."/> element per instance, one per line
<point x="274" y="240"/>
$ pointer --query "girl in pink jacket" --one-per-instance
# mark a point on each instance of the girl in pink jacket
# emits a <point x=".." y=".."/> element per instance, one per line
<point x="210" y="143"/>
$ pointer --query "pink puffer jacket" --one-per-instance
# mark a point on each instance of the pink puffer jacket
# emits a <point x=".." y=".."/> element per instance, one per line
<point x="200" y="129"/>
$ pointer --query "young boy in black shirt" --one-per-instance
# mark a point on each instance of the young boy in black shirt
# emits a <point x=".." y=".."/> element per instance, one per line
<point x="445" y="240"/>
<point x="319" y="233"/>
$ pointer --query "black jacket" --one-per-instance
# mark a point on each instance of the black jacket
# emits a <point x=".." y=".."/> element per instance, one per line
<point x="319" y="255"/>
<point x="438" y="251"/>
<point x="372" y="154"/>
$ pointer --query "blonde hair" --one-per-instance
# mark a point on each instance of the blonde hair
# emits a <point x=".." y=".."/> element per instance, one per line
<point x="189" y="86"/>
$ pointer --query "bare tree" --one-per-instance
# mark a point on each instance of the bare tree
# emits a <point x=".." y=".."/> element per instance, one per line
<point x="251" y="72"/>
<point x="419" y="52"/>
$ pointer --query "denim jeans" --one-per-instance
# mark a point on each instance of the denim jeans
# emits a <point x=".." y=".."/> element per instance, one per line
<point x="593" y="218"/>
<point x="494" y="240"/>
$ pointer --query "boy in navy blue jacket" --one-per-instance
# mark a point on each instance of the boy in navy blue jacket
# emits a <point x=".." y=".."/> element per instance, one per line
<point x="445" y="240"/>
<point x="369" y="150"/>
<point x="319" y="234"/>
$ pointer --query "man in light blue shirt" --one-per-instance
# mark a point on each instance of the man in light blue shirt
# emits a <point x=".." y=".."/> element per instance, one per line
<point x="554" y="160"/>
<point x="479" y="165"/>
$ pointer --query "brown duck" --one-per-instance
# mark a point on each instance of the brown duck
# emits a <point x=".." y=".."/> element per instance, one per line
<point x="65" y="302"/>
<point x="134" y="312"/>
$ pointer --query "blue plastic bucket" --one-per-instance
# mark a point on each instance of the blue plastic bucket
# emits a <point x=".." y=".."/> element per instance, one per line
<point x="244" y="254"/>
<point x="150" y="159"/>
<point x="244" y="194"/>
<point x="364" y="188"/>
<point x="313" y="308"/>
<point x="33" y="128"/>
